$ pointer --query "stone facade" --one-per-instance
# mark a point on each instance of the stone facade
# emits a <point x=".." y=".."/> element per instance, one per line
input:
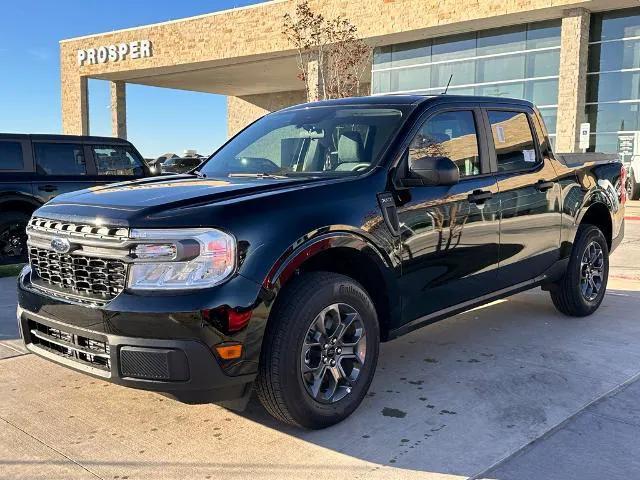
<point x="246" y="36"/>
<point x="119" y="109"/>
<point x="572" y="86"/>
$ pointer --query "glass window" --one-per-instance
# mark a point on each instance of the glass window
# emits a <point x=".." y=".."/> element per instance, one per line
<point x="615" y="24"/>
<point x="542" y="92"/>
<point x="381" y="82"/>
<point x="543" y="64"/>
<point x="509" y="90"/>
<point x="382" y="57"/>
<point x="330" y="140"/>
<point x="11" y="156"/>
<point x="510" y="39"/>
<point x="117" y="160"/>
<point x="452" y="135"/>
<point x="463" y="74"/>
<point x="411" y="53"/>
<point x="550" y="117"/>
<point x="59" y="159"/>
<point x="515" y="149"/>
<point x="450" y="48"/>
<point x="416" y="78"/>
<point x="501" y="68"/>
<point x="613" y="86"/>
<point x="604" y="57"/>
<point x="543" y="34"/>
<point x="614" y="117"/>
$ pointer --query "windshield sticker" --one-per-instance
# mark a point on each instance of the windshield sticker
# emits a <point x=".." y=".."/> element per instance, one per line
<point x="529" y="156"/>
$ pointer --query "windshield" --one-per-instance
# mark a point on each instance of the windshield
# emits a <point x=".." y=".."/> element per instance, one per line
<point x="332" y="140"/>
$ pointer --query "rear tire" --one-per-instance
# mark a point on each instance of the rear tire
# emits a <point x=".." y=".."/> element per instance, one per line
<point x="633" y="188"/>
<point x="13" y="237"/>
<point x="319" y="352"/>
<point x="581" y="290"/>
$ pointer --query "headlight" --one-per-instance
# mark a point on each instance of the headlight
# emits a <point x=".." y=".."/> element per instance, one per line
<point x="181" y="259"/>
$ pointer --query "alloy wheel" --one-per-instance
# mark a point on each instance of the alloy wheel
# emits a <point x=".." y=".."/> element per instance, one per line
<point x="13" y="240"/>
<point x="592" y="271"/>
<point x="333" y="353"/>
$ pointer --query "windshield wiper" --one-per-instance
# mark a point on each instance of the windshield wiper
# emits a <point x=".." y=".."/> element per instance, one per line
<point x="256" y="175"/>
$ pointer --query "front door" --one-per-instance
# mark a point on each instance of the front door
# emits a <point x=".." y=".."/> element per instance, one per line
<point x="529" y="198"/>
<point x="450" y="234"/>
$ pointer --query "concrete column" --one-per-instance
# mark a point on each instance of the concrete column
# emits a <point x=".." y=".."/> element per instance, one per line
<point x="75" y="105"/>
<point x="572" y="85"/>
<point x="315" y="81"/>
<point x="119" y="109"/>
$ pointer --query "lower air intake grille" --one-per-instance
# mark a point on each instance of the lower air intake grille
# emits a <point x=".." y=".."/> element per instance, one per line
<point x="84" y="350"/>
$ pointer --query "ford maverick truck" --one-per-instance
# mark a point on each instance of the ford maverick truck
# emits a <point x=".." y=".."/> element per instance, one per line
<point x="319" y="231"/>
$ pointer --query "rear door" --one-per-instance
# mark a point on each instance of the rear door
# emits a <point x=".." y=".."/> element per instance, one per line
<point x="450" y="234"/>
<point x="61" y="167"/>
<point x="116" y="163"/>
<point x="529" y="196"/>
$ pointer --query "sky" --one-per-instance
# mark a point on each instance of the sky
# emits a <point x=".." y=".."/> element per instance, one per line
<point x="159" y="120"/>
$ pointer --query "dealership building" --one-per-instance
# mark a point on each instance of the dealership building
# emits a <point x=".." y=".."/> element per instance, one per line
<point x="579" y="61"/>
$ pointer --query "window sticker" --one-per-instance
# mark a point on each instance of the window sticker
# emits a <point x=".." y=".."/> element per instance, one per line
<point x="500" y="133"/>
<point x="529" y="156"/>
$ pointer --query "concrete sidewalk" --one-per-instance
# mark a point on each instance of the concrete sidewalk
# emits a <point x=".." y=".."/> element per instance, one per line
<point x="462" y="398"/>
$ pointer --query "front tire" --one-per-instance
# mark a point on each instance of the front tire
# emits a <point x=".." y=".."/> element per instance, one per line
<point x="13" y="237"/>
<point x="581" y="290"/>
<point x="633" y="188"/>
<point x="320" y="351"/>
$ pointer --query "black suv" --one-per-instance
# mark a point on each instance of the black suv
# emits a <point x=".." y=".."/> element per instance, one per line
<point x="36" y="168"/>
<point x="308" y="238"/>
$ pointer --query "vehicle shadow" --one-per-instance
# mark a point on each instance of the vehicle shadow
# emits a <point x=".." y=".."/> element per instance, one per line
<point x="459" y="395"/>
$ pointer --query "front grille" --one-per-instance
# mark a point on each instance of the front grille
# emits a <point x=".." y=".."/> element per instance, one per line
<point x="84" y="350"/>
<point x="57" y="227"/>
<point x="78" y="275"/>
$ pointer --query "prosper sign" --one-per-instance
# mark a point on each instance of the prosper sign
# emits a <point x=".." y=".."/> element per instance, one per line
<point x="115" y="53"/>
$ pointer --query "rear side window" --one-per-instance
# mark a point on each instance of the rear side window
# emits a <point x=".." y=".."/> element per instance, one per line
<point x="11" y="156"/>
<point x="512" y="137"/>
<point x="59" y="159"/>
<point x="452" y="135"/>
<point x="117" y="160"/>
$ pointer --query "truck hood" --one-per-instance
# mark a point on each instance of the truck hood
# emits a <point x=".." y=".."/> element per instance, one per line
<point x="124" y="201"/>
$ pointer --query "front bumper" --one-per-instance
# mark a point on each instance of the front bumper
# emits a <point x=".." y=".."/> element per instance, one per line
<point x="171" y="353"/>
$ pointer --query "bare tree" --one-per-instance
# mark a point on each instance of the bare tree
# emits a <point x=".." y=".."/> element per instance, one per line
<point x="330" y="45"/>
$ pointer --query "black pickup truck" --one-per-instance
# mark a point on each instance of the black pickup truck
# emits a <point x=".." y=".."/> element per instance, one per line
<point x="308" y="238"/>
<point x="36" y="168"/>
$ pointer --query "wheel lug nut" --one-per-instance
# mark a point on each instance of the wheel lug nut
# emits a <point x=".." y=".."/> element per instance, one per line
<point x="334" y="341"/>
<point x="325" y="346"/>
<point x="348" y="389"/>
<point x="338" y="350"/>
<point x="333" y="363"/>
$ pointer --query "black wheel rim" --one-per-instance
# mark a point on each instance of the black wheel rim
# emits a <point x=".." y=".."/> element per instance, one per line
<point x="13" y="240"/>
<point x="592" y="271"/>
<point x="333" y="353"/>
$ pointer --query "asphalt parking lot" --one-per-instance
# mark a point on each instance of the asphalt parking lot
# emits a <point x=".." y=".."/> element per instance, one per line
<point x="512" y="390"/>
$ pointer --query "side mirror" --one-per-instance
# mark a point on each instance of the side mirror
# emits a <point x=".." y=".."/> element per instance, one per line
<point x="435" y="170"/>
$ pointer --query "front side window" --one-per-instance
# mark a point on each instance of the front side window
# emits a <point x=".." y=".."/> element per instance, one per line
<point x="513" y="140"/>
<point x="452" y="135"/>
<point x="59" y="159"/>
<point x="11" y="156"/>
<point x="117" y="160"/>
<point x="319" y="141"/>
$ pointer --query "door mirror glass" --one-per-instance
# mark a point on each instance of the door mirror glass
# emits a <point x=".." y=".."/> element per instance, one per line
<point x="435" y="170"/>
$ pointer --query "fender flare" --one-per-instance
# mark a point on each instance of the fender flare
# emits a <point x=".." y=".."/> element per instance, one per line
<point x="20" y="197"/>
<point x="311" y="245"/>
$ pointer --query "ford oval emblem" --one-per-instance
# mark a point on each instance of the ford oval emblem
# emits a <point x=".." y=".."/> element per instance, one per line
<point x="60" y="245"/>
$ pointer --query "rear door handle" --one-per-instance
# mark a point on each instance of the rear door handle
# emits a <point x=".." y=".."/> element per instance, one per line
<point x="479" y="196"/>
<point x="47" y="188"/>
<point x="544" y="186"/>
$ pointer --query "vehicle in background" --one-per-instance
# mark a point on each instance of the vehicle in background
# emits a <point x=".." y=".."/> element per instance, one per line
<point x="164" y="157"/>
<point x="312" y="235"/>
<point x="633" y="178"/>
<point x="36" y="168"/>
<point x="181" y="165"/>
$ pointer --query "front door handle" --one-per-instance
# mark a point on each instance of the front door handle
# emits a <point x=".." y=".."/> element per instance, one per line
<point x="47" y="188"/>
<point x="543" y="186"/>
<point x="479" y="196"/>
